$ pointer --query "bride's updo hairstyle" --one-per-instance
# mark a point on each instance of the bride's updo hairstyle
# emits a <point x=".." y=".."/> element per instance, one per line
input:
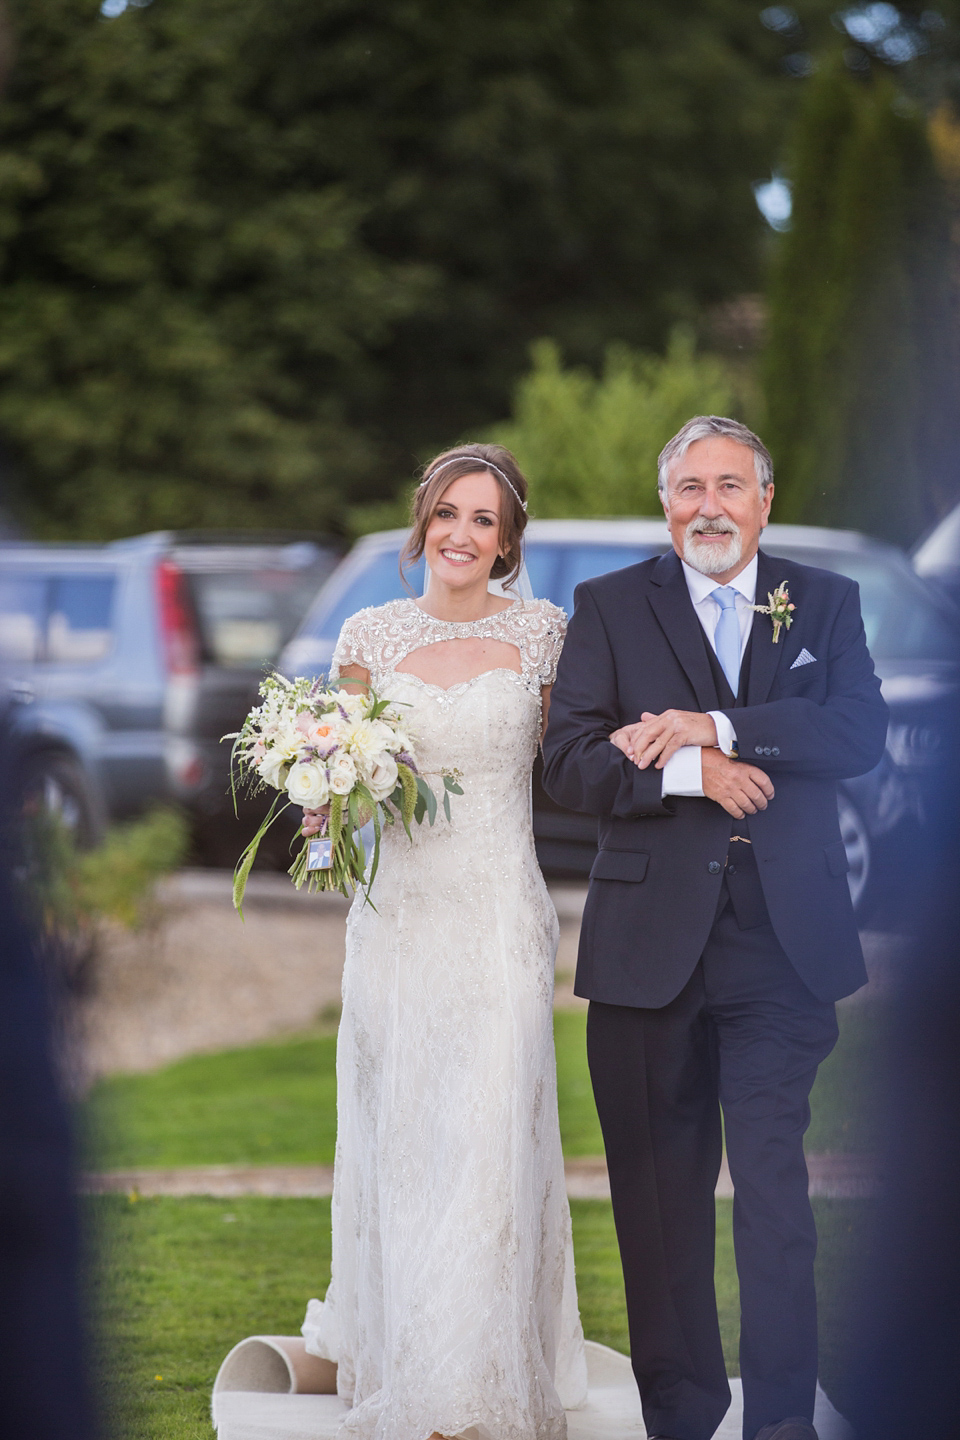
<point x="441" y="472"/>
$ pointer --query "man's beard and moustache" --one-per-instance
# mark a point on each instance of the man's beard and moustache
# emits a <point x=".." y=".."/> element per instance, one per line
<point x="708" y="558"/>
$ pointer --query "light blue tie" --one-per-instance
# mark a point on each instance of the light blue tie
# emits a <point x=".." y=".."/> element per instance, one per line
<point x="726" y="637"/>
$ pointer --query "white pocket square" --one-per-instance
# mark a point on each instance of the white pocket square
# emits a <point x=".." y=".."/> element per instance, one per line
<point x="804" y="658"/>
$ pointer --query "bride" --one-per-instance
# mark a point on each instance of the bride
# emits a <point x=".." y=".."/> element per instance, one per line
<point x="452" y="1309"/>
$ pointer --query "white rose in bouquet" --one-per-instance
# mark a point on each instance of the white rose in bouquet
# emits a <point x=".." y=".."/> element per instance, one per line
<point x="383" y="776"/>
<point x="343" y="774"/>
<point x="315" y="745"/>
<point x="307" y="784"/>
<point x="272" y="769"/>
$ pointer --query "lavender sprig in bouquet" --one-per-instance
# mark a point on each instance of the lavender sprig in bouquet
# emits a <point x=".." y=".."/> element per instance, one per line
<point x="322" y="746"/>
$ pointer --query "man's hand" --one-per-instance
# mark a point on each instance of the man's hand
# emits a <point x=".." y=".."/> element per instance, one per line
<point x="657" y="737"/>
<point x="741" y="789"/>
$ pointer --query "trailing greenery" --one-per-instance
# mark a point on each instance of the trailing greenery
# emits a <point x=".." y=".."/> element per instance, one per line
<point x="256" y="258"/>
<point x="860" y="374"/>
<point x="589" y="446"/>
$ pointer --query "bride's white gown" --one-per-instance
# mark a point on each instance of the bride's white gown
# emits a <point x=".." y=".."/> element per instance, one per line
<point x="452" y="1305"/>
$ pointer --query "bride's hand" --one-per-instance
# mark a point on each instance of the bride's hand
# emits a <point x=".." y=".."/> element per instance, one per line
<point x="313" y="819"/>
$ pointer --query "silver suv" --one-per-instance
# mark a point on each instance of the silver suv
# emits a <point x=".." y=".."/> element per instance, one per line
<point x="123" y="665"/>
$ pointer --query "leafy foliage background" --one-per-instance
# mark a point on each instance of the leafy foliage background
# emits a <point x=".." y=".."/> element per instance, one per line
<point x="257" y="258"/>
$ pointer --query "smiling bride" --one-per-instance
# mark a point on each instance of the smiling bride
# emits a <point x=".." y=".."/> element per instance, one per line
<point x="452" y="1309"/>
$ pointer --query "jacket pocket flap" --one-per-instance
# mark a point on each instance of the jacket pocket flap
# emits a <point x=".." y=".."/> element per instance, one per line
<point x="620" y="865"/>
<point x="837" y="862"/>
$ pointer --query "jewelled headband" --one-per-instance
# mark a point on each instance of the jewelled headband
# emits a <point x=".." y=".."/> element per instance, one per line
<point x="481" y="464"/>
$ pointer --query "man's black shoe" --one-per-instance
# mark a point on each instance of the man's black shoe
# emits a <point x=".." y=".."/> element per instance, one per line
<point x="793" y="1429"/>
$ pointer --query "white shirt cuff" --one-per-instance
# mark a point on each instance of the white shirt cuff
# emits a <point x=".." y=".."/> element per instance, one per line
<point x="683" y="772"/>
<point x="726" y="735"/>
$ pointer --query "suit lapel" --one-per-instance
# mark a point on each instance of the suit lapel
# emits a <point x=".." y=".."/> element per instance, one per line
<point x="671" y="603"/>
<point x="765" y="656"/>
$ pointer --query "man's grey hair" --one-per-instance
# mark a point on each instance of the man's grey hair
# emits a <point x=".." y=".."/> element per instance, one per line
<point x="706" y="427"/>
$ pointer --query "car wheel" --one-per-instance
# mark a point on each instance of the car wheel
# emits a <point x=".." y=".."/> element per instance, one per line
<point x="856" y="842"/>
<point x="57" y="785"/>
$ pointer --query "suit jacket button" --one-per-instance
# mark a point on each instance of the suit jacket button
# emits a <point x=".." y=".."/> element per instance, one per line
<point x="714" y="867"/>
<point x="731" y="869"/>
<point x="767" y="750"/>
<point x="758" y="749"/>
<point x="775" y="750"/>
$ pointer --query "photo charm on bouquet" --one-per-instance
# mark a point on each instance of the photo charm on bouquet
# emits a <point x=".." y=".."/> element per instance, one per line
<point x="320" y="746"/>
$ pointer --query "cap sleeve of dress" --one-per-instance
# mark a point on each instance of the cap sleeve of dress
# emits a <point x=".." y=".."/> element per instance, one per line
<point x="555" y="629"/>
<point x="354" y="645"/>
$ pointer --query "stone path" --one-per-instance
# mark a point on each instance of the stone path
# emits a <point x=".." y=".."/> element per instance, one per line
<point x="836" y="1177"/>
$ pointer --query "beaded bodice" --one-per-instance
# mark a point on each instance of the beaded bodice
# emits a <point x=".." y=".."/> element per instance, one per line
<point x="381" y="636"/>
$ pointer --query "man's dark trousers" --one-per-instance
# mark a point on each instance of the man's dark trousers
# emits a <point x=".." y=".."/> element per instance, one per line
<point x="746" y="1031"/>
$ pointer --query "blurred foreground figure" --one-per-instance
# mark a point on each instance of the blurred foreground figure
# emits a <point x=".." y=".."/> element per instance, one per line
<point x="43" y="1393"/>
<point x="907" y="1317"/>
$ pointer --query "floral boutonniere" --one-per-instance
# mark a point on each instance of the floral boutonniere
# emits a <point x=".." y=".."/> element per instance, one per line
<point x="780" y="609"/>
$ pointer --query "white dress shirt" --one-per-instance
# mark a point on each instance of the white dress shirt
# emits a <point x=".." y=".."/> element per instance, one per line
<point x="683" y="772"/>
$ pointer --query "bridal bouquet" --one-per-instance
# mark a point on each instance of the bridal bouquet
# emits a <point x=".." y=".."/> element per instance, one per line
<point x="317" y="746"/>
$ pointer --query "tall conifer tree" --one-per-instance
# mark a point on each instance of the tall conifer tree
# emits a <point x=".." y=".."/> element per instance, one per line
<point x="860" y="371"/>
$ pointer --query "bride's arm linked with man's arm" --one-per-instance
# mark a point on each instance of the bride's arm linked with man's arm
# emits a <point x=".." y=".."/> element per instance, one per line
<point x="589" y="763"/>
<point x="789" y="735"/>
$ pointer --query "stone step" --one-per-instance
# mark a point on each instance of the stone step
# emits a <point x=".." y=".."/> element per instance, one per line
<point x="835" y="1177"/>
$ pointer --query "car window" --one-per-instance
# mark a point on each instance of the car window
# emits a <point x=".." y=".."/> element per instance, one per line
<point x="23" y="608"/>
<point x="583" y="562"/>
<point x="245" y="617"/>
<point x="901" y="620"/>
<point x="79" y="622"/>
<point x="378" y="582"/>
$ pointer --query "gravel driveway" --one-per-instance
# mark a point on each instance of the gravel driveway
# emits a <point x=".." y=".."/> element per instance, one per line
<point x="198" y="978"/>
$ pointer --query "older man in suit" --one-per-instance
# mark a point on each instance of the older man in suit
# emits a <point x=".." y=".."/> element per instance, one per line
<point x="718" y="930"/>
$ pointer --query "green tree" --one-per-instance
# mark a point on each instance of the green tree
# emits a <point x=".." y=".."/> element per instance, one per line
<point x="258" y="255"/>
<point x="180" y="315"/>
<point x="860" y="372"/>
<point x="589" y="446"/>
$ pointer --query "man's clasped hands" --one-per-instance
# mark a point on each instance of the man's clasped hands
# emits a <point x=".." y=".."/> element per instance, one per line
<point x="740" y="788"/>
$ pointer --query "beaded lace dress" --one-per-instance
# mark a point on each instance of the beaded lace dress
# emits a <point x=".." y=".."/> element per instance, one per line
<point x="452" y="1306"/>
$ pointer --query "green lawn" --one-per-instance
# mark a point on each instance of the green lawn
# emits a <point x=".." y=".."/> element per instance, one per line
<point x="276" y="1103"/>
<point x="180" y="1281"/>
<point x="266" y="1105"/>
<point x="844" y="1101"/>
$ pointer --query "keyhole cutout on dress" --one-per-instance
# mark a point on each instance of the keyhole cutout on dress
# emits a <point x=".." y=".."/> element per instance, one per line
<point x="446" y="663"/>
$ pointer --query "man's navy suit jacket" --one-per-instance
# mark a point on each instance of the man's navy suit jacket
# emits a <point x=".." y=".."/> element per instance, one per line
<point x="634" y="644"/>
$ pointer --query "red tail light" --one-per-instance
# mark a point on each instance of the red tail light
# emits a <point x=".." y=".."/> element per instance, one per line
<point x="177" y="626"/>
